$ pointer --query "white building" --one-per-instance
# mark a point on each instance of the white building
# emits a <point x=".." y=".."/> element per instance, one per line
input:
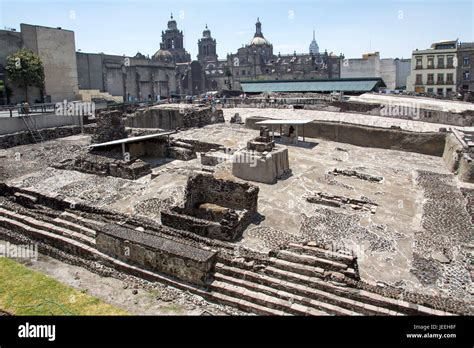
<point x="393" y="71"/>
<point x="433" y="71"/>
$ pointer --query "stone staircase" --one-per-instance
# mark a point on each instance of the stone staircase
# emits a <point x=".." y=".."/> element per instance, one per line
<point x="300" y="280"/>
<point x="65" y="232"/>
<point x="303" y="280"/>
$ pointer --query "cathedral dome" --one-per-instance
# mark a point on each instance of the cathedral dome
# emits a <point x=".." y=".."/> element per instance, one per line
<point x="172" y="24"/>
<point x="163" y="54"/>
<point x="206" y="33"/>
<point x="258" y="41"/>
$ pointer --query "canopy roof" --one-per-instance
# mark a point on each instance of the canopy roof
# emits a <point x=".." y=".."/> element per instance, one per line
<point x="359" y="85"/>
<point x="283" y="122"/>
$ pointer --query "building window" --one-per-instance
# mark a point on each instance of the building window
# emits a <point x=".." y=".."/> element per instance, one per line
<point x="465" y="61"/>
<point x="243" y="72"/>
<point x="466" y="75"/>
<point x="440" y="78"/>
<point x="430" y="79"/>
<point x="419" y="79"/>
<point x="450" y="62"/>
<point x="430" y="62"/>
<point x="430" y="90"/>
<point x="449" y="90"/>
<point x="440" y="91"/>
<point x="449" y="78"/>
<point x="419" y="63"/>
<point x="440" y="62"/>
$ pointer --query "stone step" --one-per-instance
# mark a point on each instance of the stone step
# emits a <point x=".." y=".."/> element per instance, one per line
<point x="322" y="253"/>
<point x="314" y="261"/>
<point x="287" y="298"/>
<point x="45" y="226"/>
<point x="297" y="268"/>
<point x="243" y="305"/>
<point x="78" y="248"/>
<point x="400" y="306"/>
<point x="75" y="218"/>
<point x="75" y="227"/>
<point x="24" y="198"/>
<point x="259" y="298"/>
<point x="354" y="307"/>
<point x="65" y="243"/>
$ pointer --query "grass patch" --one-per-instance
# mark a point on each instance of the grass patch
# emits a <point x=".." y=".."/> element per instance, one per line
<point x="27" y="292"/>
<point x="172" y="308"/>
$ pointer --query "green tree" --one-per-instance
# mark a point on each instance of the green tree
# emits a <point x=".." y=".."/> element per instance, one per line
<point x="25" y="69"/>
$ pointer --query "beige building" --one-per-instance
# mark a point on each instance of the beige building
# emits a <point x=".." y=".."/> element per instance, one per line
<point x="56" y="48"/>
<point x="433" y="71"/>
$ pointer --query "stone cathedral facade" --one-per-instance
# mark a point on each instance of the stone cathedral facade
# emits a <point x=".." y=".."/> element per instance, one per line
<point x="172" y="72"/>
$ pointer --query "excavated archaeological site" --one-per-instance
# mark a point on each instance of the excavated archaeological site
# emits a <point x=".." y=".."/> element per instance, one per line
<point x="365" y="215"/>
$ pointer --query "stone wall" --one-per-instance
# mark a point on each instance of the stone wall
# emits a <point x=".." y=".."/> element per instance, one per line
<point x="102" y="165"/>
<point x="203" y="188"/>
<point x="385" y="138"/>
<point x="23" y="138"/>
<point x="464" y="119"/>
<point x="452" y="153"/>
<point x="110" y="127"/>
<point x="458" y="158"/>
<point x="214" y="208"/>
<point x="156" y="253"/>
<point x="170" y="117"/>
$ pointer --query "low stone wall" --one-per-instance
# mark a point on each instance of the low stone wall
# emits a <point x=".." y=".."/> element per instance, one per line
<point x="172" y="117"/>
<point x="214" y="208"/>
<point x="205" y="188"/>
<point x="156" y="253"/>
<point x="24" y="138"/>
<point x="385" y="138"/>
<point x="101" y="165"/>
<point x="10" y="125"/>
<point x="458" y="158"/>
<point x="205" y="228"/>
<point x="200" y="146"/>
<point x="466" y="168"/>
<point x="463" y="119"/>
<point x="452" y="153"/>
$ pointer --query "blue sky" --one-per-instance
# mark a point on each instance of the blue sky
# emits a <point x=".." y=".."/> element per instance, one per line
<point x="392" y="27"/>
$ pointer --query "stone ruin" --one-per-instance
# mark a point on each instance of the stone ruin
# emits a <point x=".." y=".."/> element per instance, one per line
<point x="173" y="116"/>
<point x="110" y="160"/>
<point x="262" y="160"/>
<point x="110" y="126"/>
<point x="214" y="208"/>
<point x="236" y="119"/>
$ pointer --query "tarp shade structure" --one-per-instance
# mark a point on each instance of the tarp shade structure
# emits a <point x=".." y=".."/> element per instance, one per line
<point x="131" y="139"/>
<point x="357" y="85"/>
